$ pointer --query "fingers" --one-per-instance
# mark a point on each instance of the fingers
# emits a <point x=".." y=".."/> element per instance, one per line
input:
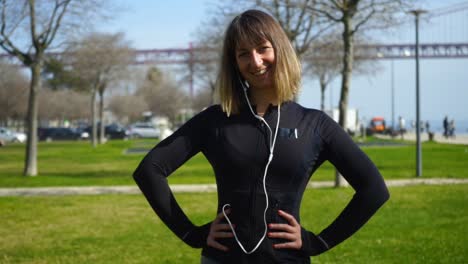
<point x="220" y="216"/>
<point x="291" y="232"/>
<point x="289" y="245"/>
<point x="218" y="230"/>
<point x="214" y="244"/>
<point x="282" y="227"/>
<point x="291" y="220"/>
<point x="282" y="235"/>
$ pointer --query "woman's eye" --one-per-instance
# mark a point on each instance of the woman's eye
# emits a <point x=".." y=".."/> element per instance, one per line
<point x="242" y="54"/>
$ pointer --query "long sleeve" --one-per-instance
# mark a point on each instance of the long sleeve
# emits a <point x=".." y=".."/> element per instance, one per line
<point x="158" y="164"/>
<point x="370" y="189"/>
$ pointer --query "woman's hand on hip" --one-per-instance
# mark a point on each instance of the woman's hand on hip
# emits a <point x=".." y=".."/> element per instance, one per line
<point x="290" y="232"/>
<point x="219" y="230"/>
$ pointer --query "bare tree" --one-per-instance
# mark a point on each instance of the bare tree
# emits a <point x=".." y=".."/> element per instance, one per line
<point x="324" y="62"/>
<point x="128" y="108"/>
<point x="27" y="30"/>
<point x="13" y="94"/>
<point x="353" y="15"/>
<point x="62" y="105"/>
<point x="301" y="26"/>
<point x="162" y="94"/>
<point x="206" y="59"/>
<point x="99" y="60"/>
<point x="203" y="63"/>
<point x="202" y="99"/>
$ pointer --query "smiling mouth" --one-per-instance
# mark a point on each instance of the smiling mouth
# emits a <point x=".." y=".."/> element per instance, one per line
<point x="261" y="72"/>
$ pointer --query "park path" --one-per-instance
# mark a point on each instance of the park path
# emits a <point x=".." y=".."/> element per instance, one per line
<point x="190" y="188"/>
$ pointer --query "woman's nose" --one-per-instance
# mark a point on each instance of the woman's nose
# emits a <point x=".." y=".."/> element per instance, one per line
<point x="257" y="59"/>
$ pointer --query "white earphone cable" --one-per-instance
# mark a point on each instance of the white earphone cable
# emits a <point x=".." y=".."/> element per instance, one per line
<point x="272" y="141"/>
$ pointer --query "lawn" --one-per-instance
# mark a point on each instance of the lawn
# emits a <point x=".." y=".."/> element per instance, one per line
<point x="419" y="224"/>
<point x="79" y="164"/>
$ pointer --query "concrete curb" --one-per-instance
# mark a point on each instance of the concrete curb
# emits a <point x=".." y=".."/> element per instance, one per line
<point x="188" y="188"/>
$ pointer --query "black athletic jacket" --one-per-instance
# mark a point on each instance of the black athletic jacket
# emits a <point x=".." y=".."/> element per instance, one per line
<point x="237" y="149"/>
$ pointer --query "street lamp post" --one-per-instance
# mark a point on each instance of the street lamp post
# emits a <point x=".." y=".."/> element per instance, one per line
<point x="392" y="72"/>
<point x="417" y="13"/>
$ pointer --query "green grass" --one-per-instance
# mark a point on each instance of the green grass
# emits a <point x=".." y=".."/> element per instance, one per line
<point x="79" y="164"/>
<point x="439" y="160"/>
<point x="419" y="224"/>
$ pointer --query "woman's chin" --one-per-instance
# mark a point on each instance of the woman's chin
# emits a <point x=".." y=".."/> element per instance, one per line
<point x="263" y="82"/>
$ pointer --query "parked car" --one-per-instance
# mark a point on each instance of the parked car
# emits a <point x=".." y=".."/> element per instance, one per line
<point x="7" y="135"/>
<point x="112" y="131"/>
<point x="60" y="133"/>
<point x="144" y="130"/>
<point x="116" y="131"/>
<point x="82" y="132"/>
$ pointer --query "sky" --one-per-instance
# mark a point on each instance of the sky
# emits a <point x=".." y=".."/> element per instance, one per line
<point x="443" y="82"/>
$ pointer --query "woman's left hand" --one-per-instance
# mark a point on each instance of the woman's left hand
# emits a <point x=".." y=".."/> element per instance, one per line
<point x="290" y="231"/>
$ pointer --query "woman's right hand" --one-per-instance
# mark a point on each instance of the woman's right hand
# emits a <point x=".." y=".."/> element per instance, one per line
<point x="219" y="230"/>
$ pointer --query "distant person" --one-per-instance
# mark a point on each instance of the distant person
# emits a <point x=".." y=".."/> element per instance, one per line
<point x="446" y="127"/>
<point x="401" y="126"/>
<point x="263" y="148"/>
<point x="427" y="125"/>
<point x="451" y="128"/>
<point x="430" y="135"/>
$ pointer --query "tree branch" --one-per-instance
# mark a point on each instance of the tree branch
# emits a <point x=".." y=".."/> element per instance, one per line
<point x="58" y="22"/>
<point x="363" y="21"/>
<point x="32" y="18"/>
<point x="5" y="41"/>
<point x="301" y="17"/>
<point x="43" y="36"/>
<point x="324" y="13"/>
<point x="2" y="29"/>
<point x="288" y="17"/>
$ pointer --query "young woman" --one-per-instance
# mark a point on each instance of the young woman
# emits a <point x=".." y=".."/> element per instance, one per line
<point x="263" y="148"/>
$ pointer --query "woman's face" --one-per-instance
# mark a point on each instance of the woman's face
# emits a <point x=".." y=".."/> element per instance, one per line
<point x="256" y="64"/>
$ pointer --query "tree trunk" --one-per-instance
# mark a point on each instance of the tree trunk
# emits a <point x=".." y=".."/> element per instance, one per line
<point x="346" y="79"/>
<point x="93" y="118"/>
<point x="30" y="166"/>
<point x="346" y="72"/>
<point x="323" y="86"/>
<point x="101" y="118"/>
<point x="213" y="92"/>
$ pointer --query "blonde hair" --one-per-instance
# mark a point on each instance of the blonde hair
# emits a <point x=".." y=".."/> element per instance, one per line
<point x="254" y="27"/>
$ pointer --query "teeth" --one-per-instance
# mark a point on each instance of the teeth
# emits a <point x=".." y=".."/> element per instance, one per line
<point x="260" y="72"/>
